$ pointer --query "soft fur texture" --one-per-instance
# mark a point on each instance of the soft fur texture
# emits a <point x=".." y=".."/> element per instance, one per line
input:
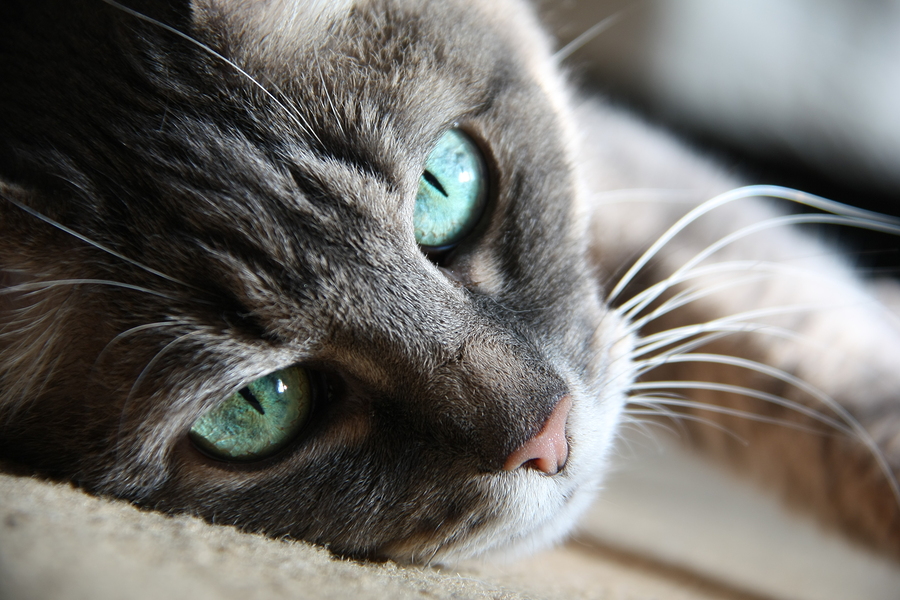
<point x="198" y="194"/>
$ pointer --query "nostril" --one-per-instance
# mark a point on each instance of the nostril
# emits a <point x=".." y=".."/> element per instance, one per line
<point x="548" y="450"/>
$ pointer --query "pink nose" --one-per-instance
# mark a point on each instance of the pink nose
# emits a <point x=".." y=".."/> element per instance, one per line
<point x="548" y="450"/>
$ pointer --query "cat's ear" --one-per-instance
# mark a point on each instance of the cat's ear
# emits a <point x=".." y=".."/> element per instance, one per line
<point x="29" y="222"/>
<point x="18" y="227"/>
<point x="278" y="19"/>
<point x="18" y="219"/>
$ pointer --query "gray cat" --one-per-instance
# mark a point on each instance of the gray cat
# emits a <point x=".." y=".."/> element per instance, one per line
<point x="366" y="273"/>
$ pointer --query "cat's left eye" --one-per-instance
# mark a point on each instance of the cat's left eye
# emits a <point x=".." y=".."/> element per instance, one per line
<point x="258" y="420"/>
<point x="452" y="192"/>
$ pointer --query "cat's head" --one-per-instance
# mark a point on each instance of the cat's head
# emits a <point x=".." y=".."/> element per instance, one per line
<point x="250" y="310"/>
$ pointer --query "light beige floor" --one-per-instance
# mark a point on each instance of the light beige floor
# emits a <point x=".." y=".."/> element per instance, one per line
<point x="666" y="527"/>
<point x="666" y="504"/>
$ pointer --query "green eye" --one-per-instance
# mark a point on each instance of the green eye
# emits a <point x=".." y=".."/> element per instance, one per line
<point x="452" y="192"/>
<point x="258" y="420"/>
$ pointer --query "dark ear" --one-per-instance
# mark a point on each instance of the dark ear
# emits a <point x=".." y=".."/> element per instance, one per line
<point x="49" y="334"/>
<point x="15" y="226"/>
<point x="21" y="230"/>
<point x="35" y="250"/>
<point x="25" y="316"/>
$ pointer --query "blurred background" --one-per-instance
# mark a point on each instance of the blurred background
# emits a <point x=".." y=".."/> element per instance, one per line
<point x="803" y="93"/>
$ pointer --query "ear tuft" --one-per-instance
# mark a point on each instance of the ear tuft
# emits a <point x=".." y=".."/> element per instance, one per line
<point x="275" y="19"/>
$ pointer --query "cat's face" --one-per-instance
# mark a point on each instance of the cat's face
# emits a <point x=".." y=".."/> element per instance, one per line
<point x="282" y="224"/>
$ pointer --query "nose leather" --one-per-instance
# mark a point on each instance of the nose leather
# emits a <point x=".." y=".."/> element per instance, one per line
<point x="548" y="450"/>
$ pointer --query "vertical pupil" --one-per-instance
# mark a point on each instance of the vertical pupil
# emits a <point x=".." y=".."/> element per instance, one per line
<point x="250" y="399"/>
<point x="433" y="181"/>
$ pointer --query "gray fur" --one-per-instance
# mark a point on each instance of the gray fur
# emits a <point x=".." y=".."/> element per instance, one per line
<point x="242" y="202"/>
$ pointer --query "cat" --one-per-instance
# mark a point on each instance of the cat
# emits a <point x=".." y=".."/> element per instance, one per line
<point x="368" y="273"/>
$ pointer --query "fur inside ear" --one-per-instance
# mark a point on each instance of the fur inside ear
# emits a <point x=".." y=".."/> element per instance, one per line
<point x="10" y="271"/>
<point x="16" y="270"/>
<point x="32" y="310"/>
<point x="283" y="11"/>
<point x="274" y="22"/>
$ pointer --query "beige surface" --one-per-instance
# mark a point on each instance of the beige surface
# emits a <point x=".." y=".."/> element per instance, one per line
<point x="56" y="542"/>
<point x="665" y="528"/>
<point x="59" y="543"/>
<point x="665" y="504"/>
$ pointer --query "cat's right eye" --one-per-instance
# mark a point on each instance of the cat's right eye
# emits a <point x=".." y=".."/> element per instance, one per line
<point x="452" y="192"/>
<point x="258" y="420"/>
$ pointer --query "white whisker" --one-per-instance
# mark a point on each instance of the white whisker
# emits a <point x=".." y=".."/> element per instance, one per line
<point x="39" y="286"/>
<point x="693" y="339"/>
<point x="743" y="414"/>
<point x="657" y="408"/>
<point x="737" y="323"/>
<point x="137" y="383"/>
<point x="690" y="295"/>
<point x="643" y="426"/>
<point x="745" y="391"/>
<point x="648" y="364"/>
<point x="328" y="96"/>
<point x="295" y="116"/>
<point x="863" y="219"/>
<point x="785" y="221"/>
<point x="595" y="30"/>
<point x="639" y="301"/>
<point x="139" y="328"/>
<point x="91" y="242"/>
<point x="694" y="418"/>
<point x="850" y="424"/>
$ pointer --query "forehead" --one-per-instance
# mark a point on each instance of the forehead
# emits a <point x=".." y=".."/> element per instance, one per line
<point x="375" y="83"/>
